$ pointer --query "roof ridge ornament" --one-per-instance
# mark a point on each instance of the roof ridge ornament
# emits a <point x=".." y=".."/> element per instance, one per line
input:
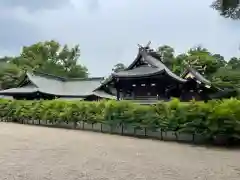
<point x="147" y="46"/>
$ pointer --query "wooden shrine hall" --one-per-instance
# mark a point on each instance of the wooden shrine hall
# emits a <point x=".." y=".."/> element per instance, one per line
<point x="148" y="79"/>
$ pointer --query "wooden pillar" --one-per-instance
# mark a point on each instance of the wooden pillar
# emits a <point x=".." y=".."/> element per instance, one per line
<point x="117" y="88"/>
<point x="133" y="94"/>
<point x="118" y="94"/>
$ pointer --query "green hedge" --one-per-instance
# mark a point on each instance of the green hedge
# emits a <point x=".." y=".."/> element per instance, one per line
<point x="209" y="119"/>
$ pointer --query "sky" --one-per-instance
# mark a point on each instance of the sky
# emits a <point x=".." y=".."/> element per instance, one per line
<point x="108" y="31"/>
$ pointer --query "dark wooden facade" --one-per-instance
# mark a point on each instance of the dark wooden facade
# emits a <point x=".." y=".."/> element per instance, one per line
<point x="147" y="87"/>
<point x="147" y="78"/>
<point x="160" y="88"/>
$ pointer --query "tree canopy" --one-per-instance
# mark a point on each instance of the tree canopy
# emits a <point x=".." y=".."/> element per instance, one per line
<point x="227" y="8"/>
<point x="47" y="57"/>
<point x="222" y="72"/>
<point x="118" y="67"/>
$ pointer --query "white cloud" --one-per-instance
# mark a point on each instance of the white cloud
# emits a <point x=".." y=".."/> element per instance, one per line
<point x="33" y="5"/>
<point x="108" y="30"/>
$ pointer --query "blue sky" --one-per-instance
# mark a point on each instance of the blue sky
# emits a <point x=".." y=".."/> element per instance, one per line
<point x="108" y="31"/>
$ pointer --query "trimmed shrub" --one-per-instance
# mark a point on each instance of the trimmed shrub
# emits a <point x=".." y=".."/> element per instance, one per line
<point x="211" y="119"/>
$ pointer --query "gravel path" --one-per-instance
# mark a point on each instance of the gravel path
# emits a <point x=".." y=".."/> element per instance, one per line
<point x="39" y="153"/>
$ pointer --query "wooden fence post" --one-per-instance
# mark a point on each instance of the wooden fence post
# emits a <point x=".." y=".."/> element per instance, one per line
<point x="176" y="135"/>
<point x="161" y="134"/>
<point x="121" y="129"/>
<point x="74" y="124"/>
<point x="111" y="128"/>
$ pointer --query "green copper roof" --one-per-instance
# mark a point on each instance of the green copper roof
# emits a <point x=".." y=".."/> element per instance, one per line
<point x="21" y="90"/>
<point x="58" y="86"/>
<point x="64" y="87"/>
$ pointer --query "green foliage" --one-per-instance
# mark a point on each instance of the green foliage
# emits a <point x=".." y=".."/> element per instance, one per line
<point x="227" y="8"/>
<point x="167" y="54"/>
<point x="118" y="67"/>
<point x="48" y="57"/>
<point x="10" y="75"/>
<point x="222" y="73"/>
<point x="209" y="119"/>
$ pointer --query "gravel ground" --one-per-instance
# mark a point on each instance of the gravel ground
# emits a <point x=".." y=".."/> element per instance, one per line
<point x="39" y="153"/>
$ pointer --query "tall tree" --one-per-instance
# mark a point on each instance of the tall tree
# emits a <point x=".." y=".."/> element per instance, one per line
<point x="48" y="57"/>
<point x="119" y="67"/>
<point x="203" y="60"/>
<point x="227" y="77"/>
<point x="234" y="63"/>
<point x="10" y="75"/>
<point x="167" y="54"/>
<point x="198" y="57"/>
<point x="228" y="8"/>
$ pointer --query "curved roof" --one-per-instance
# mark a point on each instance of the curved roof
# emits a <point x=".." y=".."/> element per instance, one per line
<point x="158" y="64"/>
<point x="81" y="87"/>
<point x="198" y="76"/>
<point x="21" y="90"/>
<point x="137" y="72"/>
<point x="156" y="67"/>
<point x="49" y="84"/>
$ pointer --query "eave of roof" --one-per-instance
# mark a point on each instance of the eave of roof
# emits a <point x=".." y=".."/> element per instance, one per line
<point x="57" y="86"/>
<point x="157" y="63"/>
<point x="157" y="67"/>
<point x="141" y="71"/>
<point x="196" y="74"/>
<point x="21" y="90"/>
<point x="199" y="76"/>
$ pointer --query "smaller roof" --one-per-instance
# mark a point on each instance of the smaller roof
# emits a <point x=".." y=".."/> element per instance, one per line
<point x="21" y="90"/>
<point x="58" y="86"/>
<point x="197" y="75"/>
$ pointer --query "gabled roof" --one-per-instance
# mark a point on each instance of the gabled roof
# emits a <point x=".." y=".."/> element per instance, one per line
<point x="156" y="66"/>
<point x="140" y="71"/>
<point x="196" y="75"/>
<point x="58" y="86"/>
<point x="21" y="90"/>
